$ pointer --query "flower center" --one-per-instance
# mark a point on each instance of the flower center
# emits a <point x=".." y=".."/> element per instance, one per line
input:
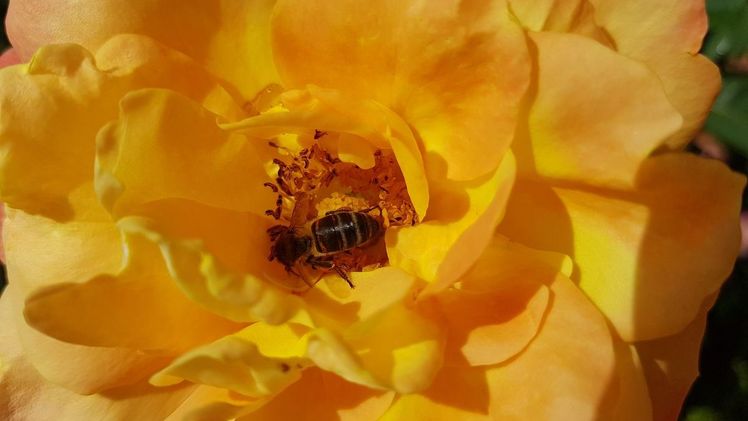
<point x="333" y="214"/>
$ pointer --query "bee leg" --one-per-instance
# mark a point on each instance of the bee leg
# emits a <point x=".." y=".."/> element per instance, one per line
<point x="343" y="273"/>
<point x="276" y="230"/>
<point x="290" y="270"/>
<point x="325" y="263"/>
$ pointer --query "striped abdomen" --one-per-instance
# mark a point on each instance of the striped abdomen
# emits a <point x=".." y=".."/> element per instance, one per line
<point x="343" y="231"/>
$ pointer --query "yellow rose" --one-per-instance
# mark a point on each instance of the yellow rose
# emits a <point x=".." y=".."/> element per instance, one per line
<point x="549" y="252"/>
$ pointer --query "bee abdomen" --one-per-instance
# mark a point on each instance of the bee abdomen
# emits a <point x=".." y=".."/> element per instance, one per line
<point x="343" y="231"/>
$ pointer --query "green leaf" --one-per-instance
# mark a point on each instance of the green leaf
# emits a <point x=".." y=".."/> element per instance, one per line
<point x="729" y="117"/>
<point x="728" y="28"/>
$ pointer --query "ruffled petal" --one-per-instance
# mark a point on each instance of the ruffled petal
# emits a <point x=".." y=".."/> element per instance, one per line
<point x="74" y="252"/>
<point x="323" y="396"/>
<point x="237" y="363"/>
<point x="75" y="94"/>
<point x="100" y="311"/>
<point x="675" y="235"/>
<point x="457" y="393"/>
<point x="627" y="396"/>
<point x="81" y="369"/>
<point x="671" y="365"/>
<point x="586" y="123"/>
<point x="364" y="121"/>
<point x="367" y="353"/>
<point x="25" y="395"/>
<point x="218" y="259"/>
<point x="459" y="226"/>
<point x="166" y="146"/>
<point x="497" y="307"/>
<point x="558" y="376"/>
<point x="640" y="26"/>
<point x="230" y="38"/>
<point x="403" y="56"/>
<point x="667" y="36"/>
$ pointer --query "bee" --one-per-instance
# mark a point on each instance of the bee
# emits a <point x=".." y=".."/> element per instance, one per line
<point x="337" y="232"/>
<point x="317" y="244"/>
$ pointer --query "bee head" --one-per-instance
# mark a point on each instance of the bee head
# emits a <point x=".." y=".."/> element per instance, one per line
<point x="289" y="247"/>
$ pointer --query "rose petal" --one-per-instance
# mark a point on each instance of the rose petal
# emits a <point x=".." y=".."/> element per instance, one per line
<point x="100" y="311"/>
<point x="667" y="35"/>
<point x="671" y="364"/>
<point x="9" y="57"/>
<point x="559" y="375"/>
<point x="464" y="114"/>
<point x="166" y="146"/>
<point x="488" y="328"/>
<point x="230" y="38"/>
<point x="322" y="396"/>
<point x="455" y="394"/>
<point x="459" y="226"/>
<point x="676" y="235"/>
<point x="45" y="163"/>
<point x="641" y="25"/>
<point x="82" y="369"/>
<point x="25" y="395"/>
<point x="627" y="396"/>
<point x="574" y="16"/>
<point x="369" y="354"/>
<point x="73" y="252"/>
<point x="498" y="306"/>
<point x="233" y="284"/>
<point x="236" y="363"/>
<point x="586" y="123"/>
<point x="315" y="108"/>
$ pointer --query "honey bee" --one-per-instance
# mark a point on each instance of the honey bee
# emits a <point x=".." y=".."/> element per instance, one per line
<point x="336" y="232"/>
<point x="315" y="244"/>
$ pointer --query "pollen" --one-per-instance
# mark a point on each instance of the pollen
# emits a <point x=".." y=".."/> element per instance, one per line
<point x="313" y="182"/>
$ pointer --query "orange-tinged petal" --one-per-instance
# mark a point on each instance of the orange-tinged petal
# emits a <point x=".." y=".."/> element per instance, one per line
<point x="25" y="395"/>
<point x="488" y="328"/>
<point x="365" y="120"/>
<point x="639" y="25"/>
<point x="566" y="370"/>
<point x="43" y="164"/>
<point x="166" y="146"/>
<point x="671" y="365"/>
<point x="586" y="123"/>
<point x="322" y="396"/>
<point x="457" y="393"/>
<point x="73" y="252"/>
<point x="369" y="354"/>
<point x="627" y="397"/>
<point x="667" y="35"/>
<point x="375" y="292"/>
<point x="558" y="376"/>
<point x="82" y="369"/>
<point x="691" y="83"/>
<point x="228" y="37"/>
<point x="9" y="58"/>
<point x="199" y="256"/>
<point x="236" y="363"/>
<point x="207" y="403"/>
<point x="457" y="229"/>
<point x="403" y="56"/>
<point x="100" y="312"/>
<point x="574" y="16"/>
<point x="675" y="235"/>
<point x="497" y="307"/>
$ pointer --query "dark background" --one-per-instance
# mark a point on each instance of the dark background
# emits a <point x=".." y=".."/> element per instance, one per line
<point x="721" y="392"/>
